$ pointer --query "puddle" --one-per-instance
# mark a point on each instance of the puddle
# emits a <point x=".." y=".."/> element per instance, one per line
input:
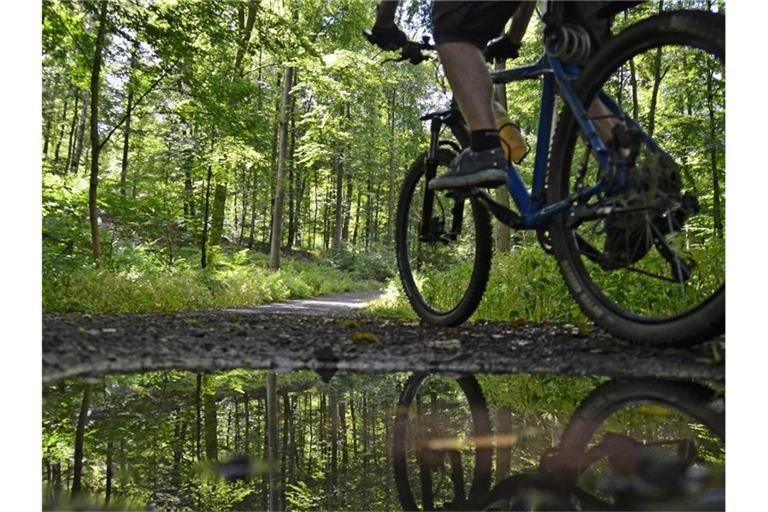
<point x="251" y="440"/>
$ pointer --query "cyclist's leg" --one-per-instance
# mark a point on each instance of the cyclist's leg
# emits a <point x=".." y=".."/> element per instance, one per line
<point x="471" y="84"/>
<point x="461" y="30"/>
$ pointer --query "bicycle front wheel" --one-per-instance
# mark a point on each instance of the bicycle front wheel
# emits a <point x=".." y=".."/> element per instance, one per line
<point x="443" y="247"/>
<point x="648" y="263"/>
<point x="441" y="448"/>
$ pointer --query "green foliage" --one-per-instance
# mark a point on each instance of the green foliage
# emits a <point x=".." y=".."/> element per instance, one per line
<point x="143" y="285"/>
<point x="537" y="394"/>
<point x="376" y="266"/>
<point x="219" y="495"/>
<point x="302" y="497"/>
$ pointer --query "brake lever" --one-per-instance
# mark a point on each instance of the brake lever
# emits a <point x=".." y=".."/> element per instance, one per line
<point x="410" y="52"/>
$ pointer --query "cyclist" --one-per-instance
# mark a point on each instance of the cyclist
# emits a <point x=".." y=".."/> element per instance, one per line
<point x="461" y="32"/>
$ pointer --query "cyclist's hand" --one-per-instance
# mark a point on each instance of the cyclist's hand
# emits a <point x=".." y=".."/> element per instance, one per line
<point x="388" y="38"/>
<point x="501" y="48"/>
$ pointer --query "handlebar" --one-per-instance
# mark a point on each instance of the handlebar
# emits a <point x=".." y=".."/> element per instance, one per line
<point x="411" y="51"/>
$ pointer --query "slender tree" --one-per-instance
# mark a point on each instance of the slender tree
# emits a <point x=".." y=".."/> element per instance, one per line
<point x="95" y="142"/>
<point x="277" y="212"/>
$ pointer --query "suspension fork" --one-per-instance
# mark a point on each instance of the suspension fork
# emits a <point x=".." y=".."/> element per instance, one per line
<point x="457" y="210"/>
<point x="435" y="126"/>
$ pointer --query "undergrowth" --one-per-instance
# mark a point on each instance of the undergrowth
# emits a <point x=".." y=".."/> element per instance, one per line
<point x="524" y="285"/>
<point x="137" y="283"/>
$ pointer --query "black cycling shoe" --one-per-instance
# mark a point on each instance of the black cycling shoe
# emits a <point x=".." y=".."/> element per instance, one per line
<point x="473" y="169"/>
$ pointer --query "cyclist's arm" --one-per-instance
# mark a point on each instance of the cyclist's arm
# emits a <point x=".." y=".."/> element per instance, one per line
<point x="507" y="45"/>
<point x="520" y="21"/>
<point x="385" y="13"/>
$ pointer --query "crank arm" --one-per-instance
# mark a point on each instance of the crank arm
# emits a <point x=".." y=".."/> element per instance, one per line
<point x="501" y="212"/>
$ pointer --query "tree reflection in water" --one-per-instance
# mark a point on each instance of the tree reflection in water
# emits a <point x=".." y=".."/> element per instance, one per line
<point x="224" y="441"/>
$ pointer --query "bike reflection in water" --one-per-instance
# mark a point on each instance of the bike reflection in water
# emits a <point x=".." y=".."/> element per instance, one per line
<point x="630" y="445"/>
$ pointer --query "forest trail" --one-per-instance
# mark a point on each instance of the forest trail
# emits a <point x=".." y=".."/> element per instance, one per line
<point x="77" y="345"/>
<point x="336" y="305"/>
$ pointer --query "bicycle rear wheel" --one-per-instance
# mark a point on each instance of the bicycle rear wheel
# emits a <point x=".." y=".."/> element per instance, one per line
<point x="649" y="265"/>
<point x="645" y="435"/>
<point x="443" y="257"/>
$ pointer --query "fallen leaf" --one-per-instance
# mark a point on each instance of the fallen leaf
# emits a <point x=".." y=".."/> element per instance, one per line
<point x="364" y="336"/>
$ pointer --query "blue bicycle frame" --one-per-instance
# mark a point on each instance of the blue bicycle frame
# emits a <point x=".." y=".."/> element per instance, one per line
<point x="533" y="213"/>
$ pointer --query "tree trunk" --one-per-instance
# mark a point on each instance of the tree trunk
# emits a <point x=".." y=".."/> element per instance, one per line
<point x="357" y="219"/>
<point x="298" y="231"/>
<point x="109" y="475"/>
<point x="339" y="212"/>
<point x="127" y="127"/>
<point x="47" y="136"/>
<point x="254" y="189"/>
<point x="310" y="447"/>
<point x="126" y="138"/>
<point x="657" y="76"/>
<point x="717" y="215"/>
<point x="245" y="30"/>
<point x="272" y="439"/>
<point x="284" y="452"/>
<point x="198" y="414"/>
<point x="71" y="134"/>
<point x="180" y="430"/>
<point x="333" y="411"/>
<point x="79" y="438"/>
<point x="56" y="480"/>
<point x="337" y="218"/>
<point x="343" y="433"/>
<point x="503" y="234"/>
<point x="376" y="213"/>
<point x="204" y="237"/>
<point x="293" y="460"/>
<point x="245" y="183"/>
<point x="189" y="192"/>
<point x="633" y="83"/>
<point x="326" y="224"/>
<point x="347" y="210"/>
<point x="211" y="420"/>
<point x="95" y="143"/>
<point x="368" y="211"/>
<point x="62" y="126"/>
<point x="354" y="425"/>
<point x="269" y="204"/>
<point x="75" y="163"/>
<point x="391" y="185"/>
<point x="292" y="176"/>
<point x="277" y="212"/>
<point x="247" y="419"/>
<point x="217" y="216"/>
<point x="366" y="436"/>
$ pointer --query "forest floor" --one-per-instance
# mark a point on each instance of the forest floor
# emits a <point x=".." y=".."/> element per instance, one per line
<point x="329" y="334"/>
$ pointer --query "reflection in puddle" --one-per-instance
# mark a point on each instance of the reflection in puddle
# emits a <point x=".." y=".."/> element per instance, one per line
<point x="250" y="440"/>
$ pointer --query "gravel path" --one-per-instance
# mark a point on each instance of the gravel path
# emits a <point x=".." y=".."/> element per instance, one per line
<point x="260" y="338"/>
<point x="340" y="304"/>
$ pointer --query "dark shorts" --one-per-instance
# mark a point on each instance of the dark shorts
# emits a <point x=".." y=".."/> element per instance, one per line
<point x="469" y="22"/>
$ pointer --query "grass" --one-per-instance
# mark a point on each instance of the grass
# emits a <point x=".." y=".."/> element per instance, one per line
<point x="236" y="279"/>
<point x="524" y="285"/>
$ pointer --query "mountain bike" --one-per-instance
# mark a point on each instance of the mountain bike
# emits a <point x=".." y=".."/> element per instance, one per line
<point x="635" y="218"/>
